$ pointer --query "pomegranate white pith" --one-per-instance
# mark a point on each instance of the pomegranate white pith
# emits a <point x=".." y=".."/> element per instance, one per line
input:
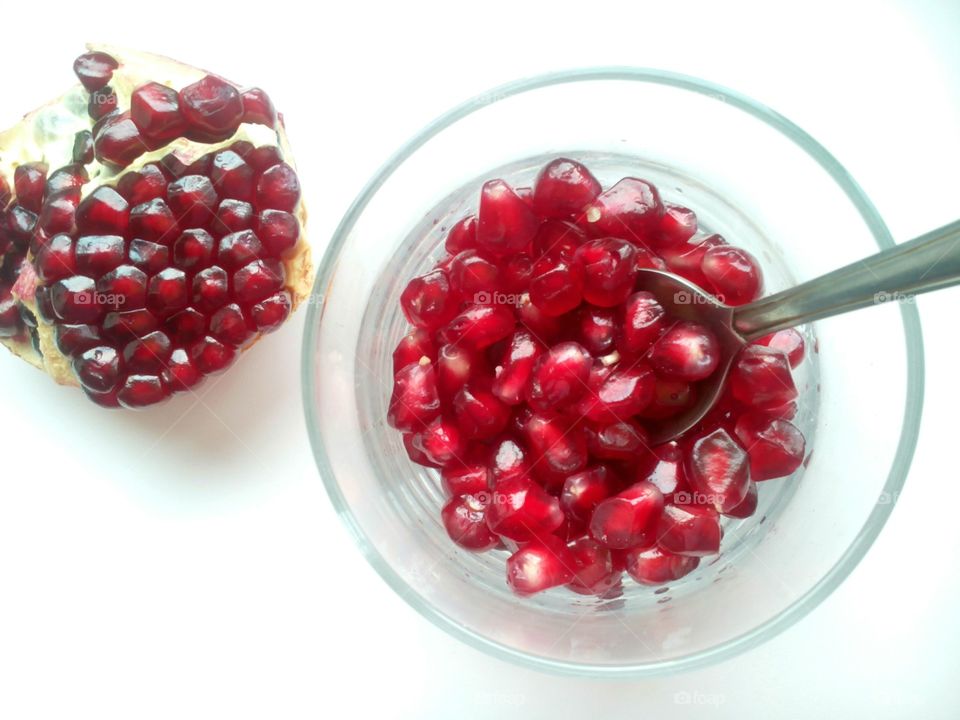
<point x="229" y="180"/>
<point x="538" y="364"/>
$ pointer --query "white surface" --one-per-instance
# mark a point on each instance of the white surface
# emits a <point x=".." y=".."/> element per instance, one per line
<point x="185" y="563"/>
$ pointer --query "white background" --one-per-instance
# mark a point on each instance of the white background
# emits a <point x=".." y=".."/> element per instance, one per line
<point x="186" y="563"/>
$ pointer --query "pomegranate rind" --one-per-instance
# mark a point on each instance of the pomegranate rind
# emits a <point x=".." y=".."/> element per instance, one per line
<point x="49" y="132"/>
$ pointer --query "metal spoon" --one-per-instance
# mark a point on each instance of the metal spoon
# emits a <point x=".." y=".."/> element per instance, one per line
<point x="930" y="262"/>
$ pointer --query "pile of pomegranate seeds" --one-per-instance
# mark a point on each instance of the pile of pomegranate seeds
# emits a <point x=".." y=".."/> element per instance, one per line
<point x="537" y="363"/>
<point x="152" y="277"/>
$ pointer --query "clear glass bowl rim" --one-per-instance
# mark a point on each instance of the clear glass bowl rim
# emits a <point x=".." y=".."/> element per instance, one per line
<point x="911" y="413"/>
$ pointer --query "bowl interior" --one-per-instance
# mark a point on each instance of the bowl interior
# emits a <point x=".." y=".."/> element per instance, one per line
<point x="747" y="179"/>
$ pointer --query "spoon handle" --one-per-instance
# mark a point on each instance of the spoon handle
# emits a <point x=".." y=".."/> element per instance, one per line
<point x="930" y="262"/>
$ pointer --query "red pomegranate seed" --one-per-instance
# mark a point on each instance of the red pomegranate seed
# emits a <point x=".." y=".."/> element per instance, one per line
<point x="98" y="368"/>
<point x="559" y="376"/>
<point x="543" y="327"/>
<point x="168" y="291"/>
<point x="56" y="260"/>
<point x="474" y="277"/>
<point x="462" y="236"/>
<point x="264" y="158"/>
<point x="647" y="260"/>
<point x="258" y="108"/>
<point x="514" y="372"/>
<point x="631" y="210"/>
<point x="149" y="183"/>
<point x="194" y="249"/>
<point x="148" y="256"/>
<point x="10" y="321"/>
<point x="257" y="280"/>
<point x="468" y="479"/>
<point x="776" y="447"/>
<point x="733" y="274"/>
<point x="505" y="223"/>
<point x="690" y="530"/>
<point x="687" y="351"/>
<point x="94" y="69"/>
<point x="412" y="347"/>
<point x="665" y="470"/>
<point x="556" y="285"/>
<point x="278" y="230"/>
<point x="229" y="326"/>
<point x="670" y="397"/>
<point x="211" y="356"/>
<point x="102" y="104"/>
<point x="584" y="490"/>
<point x="155" y="108"/>
<point x="761" y="378"/>
<point x="594" y="570"/>
<point x="428" y="301"/>
<point x="563" y="188"/>
<point x="464" y="518"/>
<point x="441" y="441"/>
<point x="456" y="366"/>
<point x="118" y="141"/>
<point x="789" y="341"/>
<point x="231" y="176"/>
<point x="515" y="274"/>
<point x="557" y="443"/>
<point x="58" y="215"/>
<point x="617" y="394"/>
<point x="73" y="300"/>
<point x="596" y="329"/>
<point x="539" y="566"/>
<point x="30" y="182"/>
<point x="67" y="181"/>
<point x="123" y="288"/>
<point x="479" y="413"/>
<point x="154" y="221"/>
<point x="609" y="270"/>
<point x="189" y="326"/>
<point x="677" y="225"/>
<point x="212" y="109"/>
<point x="656" y="566"/>
<point x="718" y="470"/>
<point x="147" y="354"/>
<point x="686" y="259"/>
<point x="98" y="254"/>
<point x="233" y="216"/>
<point x="508" y="461"/>
<point x="415" y="454"/>
<point x="628" y="519"/>
<point x="193" y="201"/>
<point x="180" y="374"/>
<point x="557" y="238"/>
<point x="415" y="401"/>
<point x="643" y="324"/>
<point x="522" y="510"/>
<point x="480" y="326"/>
<point x="747" y="506"/>
<point x="619" y="440"/>
<point x="139" y="391"/>
<point x="269" y="314"/>
<point x="238" y="248"/>
<point x="121" y="326"/>
<point x="74" y="339"/>
<point x="278" y="189"/>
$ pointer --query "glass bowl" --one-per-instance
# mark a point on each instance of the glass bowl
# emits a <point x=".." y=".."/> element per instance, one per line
<point x="751" y="175"/>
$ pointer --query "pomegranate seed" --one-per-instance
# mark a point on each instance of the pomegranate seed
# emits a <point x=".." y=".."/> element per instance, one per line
<point x="595" y="571"/>
<point x="643" y="324"/>
<point x="789" y="342"/>
<point x="670" y="397"/>
<point x="687" y="351"/>
<point x="193" y="200"/>
<point x="617" y="394"/>
<point x="505" y="223"/>
<point x="686" y="259"/>
<point x="269" y="314"/>
<point x="584" y="490"/>
<point x="148" y="256"/>
<point x="557" y="238"/>
<point x="415" y="454"/>
<point x="10" y="322"/>
<point x="239" y="248"/>
<point x="620" y="440"/>
<point x="559" y="444"/>
<point x="628" y="519"/>
<point x="563" y="188"/>
<point x="666" y="472"/>
<point x="539" y="566"/>
<point x="98" y="368"/>
<point x="231" y="176"/>
<point x="168" y="291"/>
<point x="258" y="108"/>
<point x="73" y="300"/>
<point x="428" y="301"/>
<point x="479" y="413"/>
<point x="74" y="339"/>
<point x="123" y="288"/>
<point x="508" y="461"/>
<point x="718" y="470"/>
<point x="441" y="441"/>
<point x="229" y="326"/>
<point x="153" y="221"/>
<point x="468" y="479"/>
<point x="480" y="326"/>
<point x="631" y="210"/>
<point x="596" y="329"/>
<point x="56" y="260"/>
<point x="418" y="344"/>
<point x="139" y="391"/>
<point x="279" y="231"/>
<point x="473" y="276"/>
<point x="609" y="270"/>
<point x="656" y="566"/>
<point x="677" y="225"/>
<point x="211" y="356"/>
<point x="647" y="260"/>
<point x="98" y="254"/>
<point x="733" y="274"/>
<point x="67" y="181"/>
<point x="559" y="376"/>
<point x="233" y="216"/>
<point x="180" y="374"/>
<point x="747" y="506"/>
<point x="514" y="372"/>
<point x="522" y="510"/>
<point x="415" y="401"/>
<point x="278" y="189"/>
<point x="776" y="447"/>
<point x="30" y="182"/>
<point x="543" y="327"/>
<point x="94" y="69"/>
<point x="83" y="147"/>
<point x="58" y="215"/>
<point x="457" y="365"/>
<point x="263" y="158"/>
<point x="212" y="109"/>
<point x="193" y="250"/>
<point x="118" y="141"/>
<point x="761" y="378"/>
<point x="462" y="236"/>
<point x="556" y="285"/>
<point x="102" y="104"/>
<point x="121" y="326"/>
<point x="690" y="530"/>
<point x="515" y="273"/>
<point x="257" y="280"/>
<point x="147" y="354"/>
<point x="155" y="108"/>
<point x="464" y="518"/>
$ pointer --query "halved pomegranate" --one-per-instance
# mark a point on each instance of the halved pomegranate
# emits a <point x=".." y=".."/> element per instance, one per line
<point x="154" y="228"/>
